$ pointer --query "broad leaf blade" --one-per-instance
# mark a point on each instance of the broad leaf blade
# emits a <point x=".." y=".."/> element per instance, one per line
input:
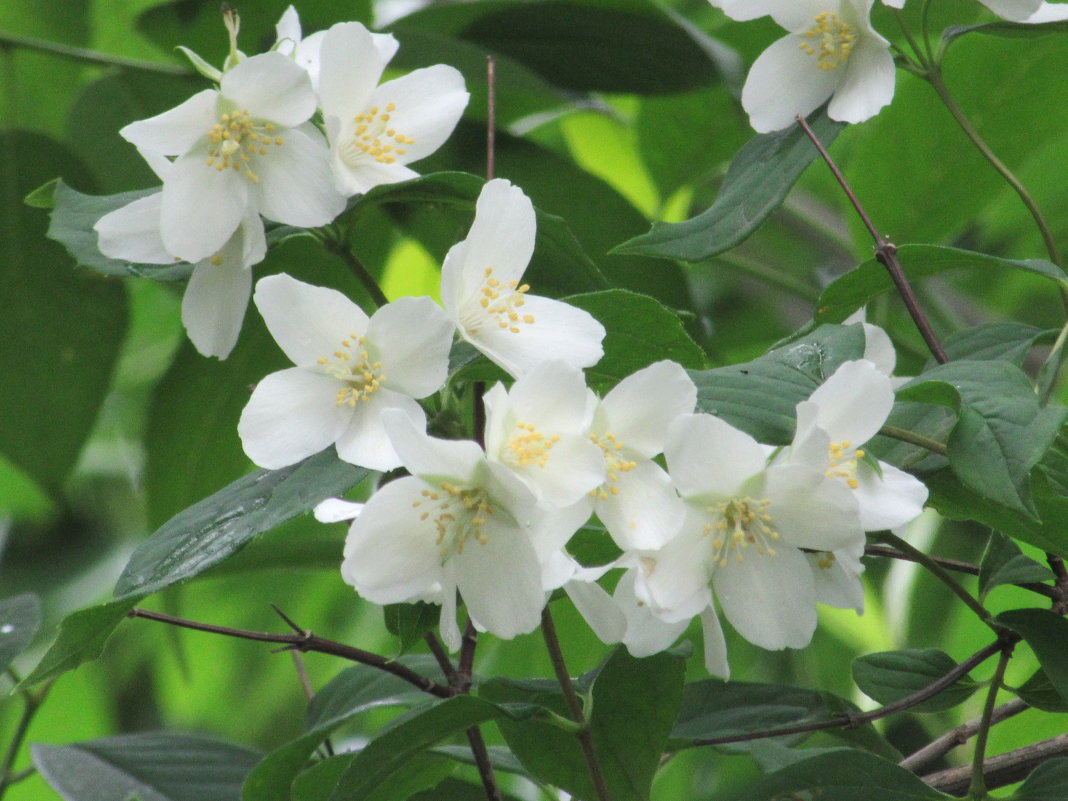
<point x="1046" y="632"/>
<point x="892" y="675"/>
<point x="1004" y="563"/>
<point x="82" y="636"/>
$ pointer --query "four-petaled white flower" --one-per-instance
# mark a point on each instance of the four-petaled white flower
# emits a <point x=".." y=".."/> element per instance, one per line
<point x="459" y="523"/>
<point x="350" y="370"/>
<point x="374" y="131"/>
<point x="831" y="52"/>
<point x="482" y="292"/>
<point x="745" y="527"/>
<point x="243" y="148"/>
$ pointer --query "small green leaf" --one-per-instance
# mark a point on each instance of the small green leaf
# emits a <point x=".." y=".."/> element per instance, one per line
<point x="869" y="280"/>
<point x="1004" y="563"/>
<point x="892" y="675"/>
<point x="81" y="638"/>
<point x="20" y="618"/>
<point x="1040" y="693"/>
<point x="1046" y="632"/>
<point x="200" y="64"/>
<point x="154" y="766"/>
<point x="44" y="196"/>
<point x="210" y="531"/>
<point x="760" y="396"/>
<point x="411" y="622"/>
<point x="1047" y="782"/>
<point x="758" y="180"/>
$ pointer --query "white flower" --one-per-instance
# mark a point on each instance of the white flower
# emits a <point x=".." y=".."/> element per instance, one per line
<point x="745" y="527"/>
<point x="350" y="370"/>
<point x="462" y="524"/>
<point x="482" y="292"/>
<point x="835" y="422"/>
<point x="374" y="131"/>
<point x="1029" y="11"/>
<point x="244" y="148"/>
<point x="638" y="503"/>
<point x="215" y="299"/>
<point x="837" y="577"/>
<point x="831" y="52"/>
<point x="539" y="430"/>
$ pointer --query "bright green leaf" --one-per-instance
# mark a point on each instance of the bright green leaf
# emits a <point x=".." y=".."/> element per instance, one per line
<point x="892" y="675"/>
<point x="1004" y="563"/>
<point x="82" y="636"/>
<point x="44" y="196"/>
<point x="20" y="617"/>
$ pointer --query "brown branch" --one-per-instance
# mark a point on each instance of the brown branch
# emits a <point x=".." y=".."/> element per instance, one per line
<point x="954" y="564"/>
<point x="1002" y="769"/>
<point x="938" y="748"/>
<point x="856" y="719"/>
<point x="304" y="641"/>
<point x="1059" y="591"/>
<point x="885" y="252"/>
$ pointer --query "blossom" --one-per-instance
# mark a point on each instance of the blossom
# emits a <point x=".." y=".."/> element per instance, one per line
<point x="538" y="429"/>
<point x="482" y="292"/>
<point x="244" y="148"/>
<point x="215" y="299"/>
<point x="459" y="524"/>
<point x="374" y="131"/>
<point x="745" y="526"/>
<point x="1029" y="11"/>
<point x="637" y="502"/>
<point x="844" y="412"/>
<point x="350" y="370"/>
<point x="831" y="52"/>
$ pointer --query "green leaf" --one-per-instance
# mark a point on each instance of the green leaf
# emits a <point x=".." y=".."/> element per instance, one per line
<point x="411" y="622"/>
<point x="1047" y="782"/>
<point x="892" y="675"/>
<point x="81" y="638"/>
<point x="20" y="618"/>
<point x="73" y="218"/>
<point x="1004" y="563"/>
<point x="351" y="692"/>
<point x="390" y="752"/>
<point x="640" y="331"/>
<point x="758" y="180"/>
<point x="1004" y="340"/>
<point x="844" y="775"/>
<point x="210" y="531"/>
<point x="457" y="790"/>
<point x="1002" y="430"/>
<point x="1046" y="632"/>
<point x="760" y="396"/>
<point x="44" y="196"/>
<point x="869" y="280"/>
<point x="1040" y="693"/>
<point x="1004" y="28"/>
<point x="154" y="766"/>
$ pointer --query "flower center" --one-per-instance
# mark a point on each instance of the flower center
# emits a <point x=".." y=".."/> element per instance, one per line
<point x="353" y="366"/>
<point x="458" y="514"/>
<point x="500" y="303"/>
<point x="374" y="138"/>
<point x="529" y="446"/>
<point x="825" y="559"/>
<point x="743" y="522"/>
<point x="830" y="40"/>
<point x="235" y="139"/>
<point x="842" y="462"/>
<point x="612" y="449"/>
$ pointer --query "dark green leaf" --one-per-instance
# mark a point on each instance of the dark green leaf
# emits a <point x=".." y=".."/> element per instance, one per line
<point x="502" y="759"/>
<point x="1006" y="340"/>
<point x="456" y="790"/>
<point x="1009" y="30"/>
<point x="843" y="775"/>
<point x="210" y="531"/>
<point x="318" y="781"/>
<point x="869" y="280"/>
<point x="1002" y="430"/>
<point x="81" y="638"/>
<point x="758" y="180"/>
<point x="155" y="766"/>
<point x="20" y="617"/>
<point x="411" y="622"/>
<point x="760" y="396"/>
<point x="640" y="331"/>
<point x="1046" y="632"/>
<point x="1047" y="782"/>
<point x="1004" y="563"/>
<point x="1041" y="694"/>
<point x="892" y="675"/>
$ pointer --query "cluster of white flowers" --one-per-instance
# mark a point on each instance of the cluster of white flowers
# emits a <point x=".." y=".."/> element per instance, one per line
<point x="832" y="52"/>
<point x="248" y="150"/>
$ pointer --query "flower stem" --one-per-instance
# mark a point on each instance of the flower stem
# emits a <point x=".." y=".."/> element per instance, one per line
<point x="336" y="245"/>
<point x="11" y="40"/>
<point x="911" y="437"/>
<point x="574" y="705"/>
<point x="977" y="790"/>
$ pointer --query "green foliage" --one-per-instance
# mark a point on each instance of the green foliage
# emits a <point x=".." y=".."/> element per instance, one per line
<point x="888" y="677"/>
<point x="1004" y="563"/>
<point x="1044" y="631"/>
<point x="20" y="617"/>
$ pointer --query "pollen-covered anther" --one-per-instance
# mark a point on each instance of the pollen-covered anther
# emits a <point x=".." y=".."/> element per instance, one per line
<point x="528" y="446"/>
<point x="830" y="40"/>
<point x="842" y="462"/>
<point x="235" y="139"/>
<point x="374" y="138"/>
<point x="739" y="524"/>
<point x="501" y="302"/>
<point x="462" y="515"/>
<point x="360" y="373"/>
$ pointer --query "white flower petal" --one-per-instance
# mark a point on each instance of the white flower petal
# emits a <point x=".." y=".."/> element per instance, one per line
<point x="573" y="468"/>
<point x="502" y="235"/>
<point x="552" y="395"/>
<point x="201" y="208"/>
<point x="295" y="184"/>
<point x="308" y="322"/>
<point x="291" y="415"/>
<point x="334" y="510"/>
<point x="287" y="31"/>
<point x="132" y="233"/>
<point x="853" y="403"/>
<point x="810" y="510"/>
<point x="639" y="409"/>
<point x="270" y="87"/>
<point x="177" y="130"/>
<point x="868" y="82"/>
<point x="1014" y="10"/>
<point x="428" y="103"/>
<point x="598" y="609"/>
<point x="412" y="337"/>
<point x="783" y="82"/>
<point x="366" y="440"/>
<point x="888" y="502"/>
<point x="1048" y="12"/>
<point x="836" y="579"/>
<point x="676" y="578"/>
<point x="715" y="644"/>
<point x="214" y="303"/>
<point x="644" y="512"/>
<point x="769" y="600"/>
<point x="811" y="445"/>
<point x="708" y="456"/>
<point x="350" y="66"/>
<point x="431" y="457"/>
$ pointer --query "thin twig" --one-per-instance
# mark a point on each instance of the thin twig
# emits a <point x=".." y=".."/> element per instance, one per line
<point x="491" y="116"/>
<point x="483" y="763"/>
<point x="32" y="701"/>
<point x="440" y="655"/>
<point x="574" y="705"/>
<point x="341" y="250"/>
<point x="938" y="748"/>
<point x="955" y="565"/>
<point x="1060" y="584"/>
<point x="304" y="641"/>
<point x="467" y="657"/>
<point x="978" y="782"/>
<point x="80" y="54"/>
<point x="1002" y="769"/>
<point x="885" y="252"/>
<point x="856" y="719"/>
